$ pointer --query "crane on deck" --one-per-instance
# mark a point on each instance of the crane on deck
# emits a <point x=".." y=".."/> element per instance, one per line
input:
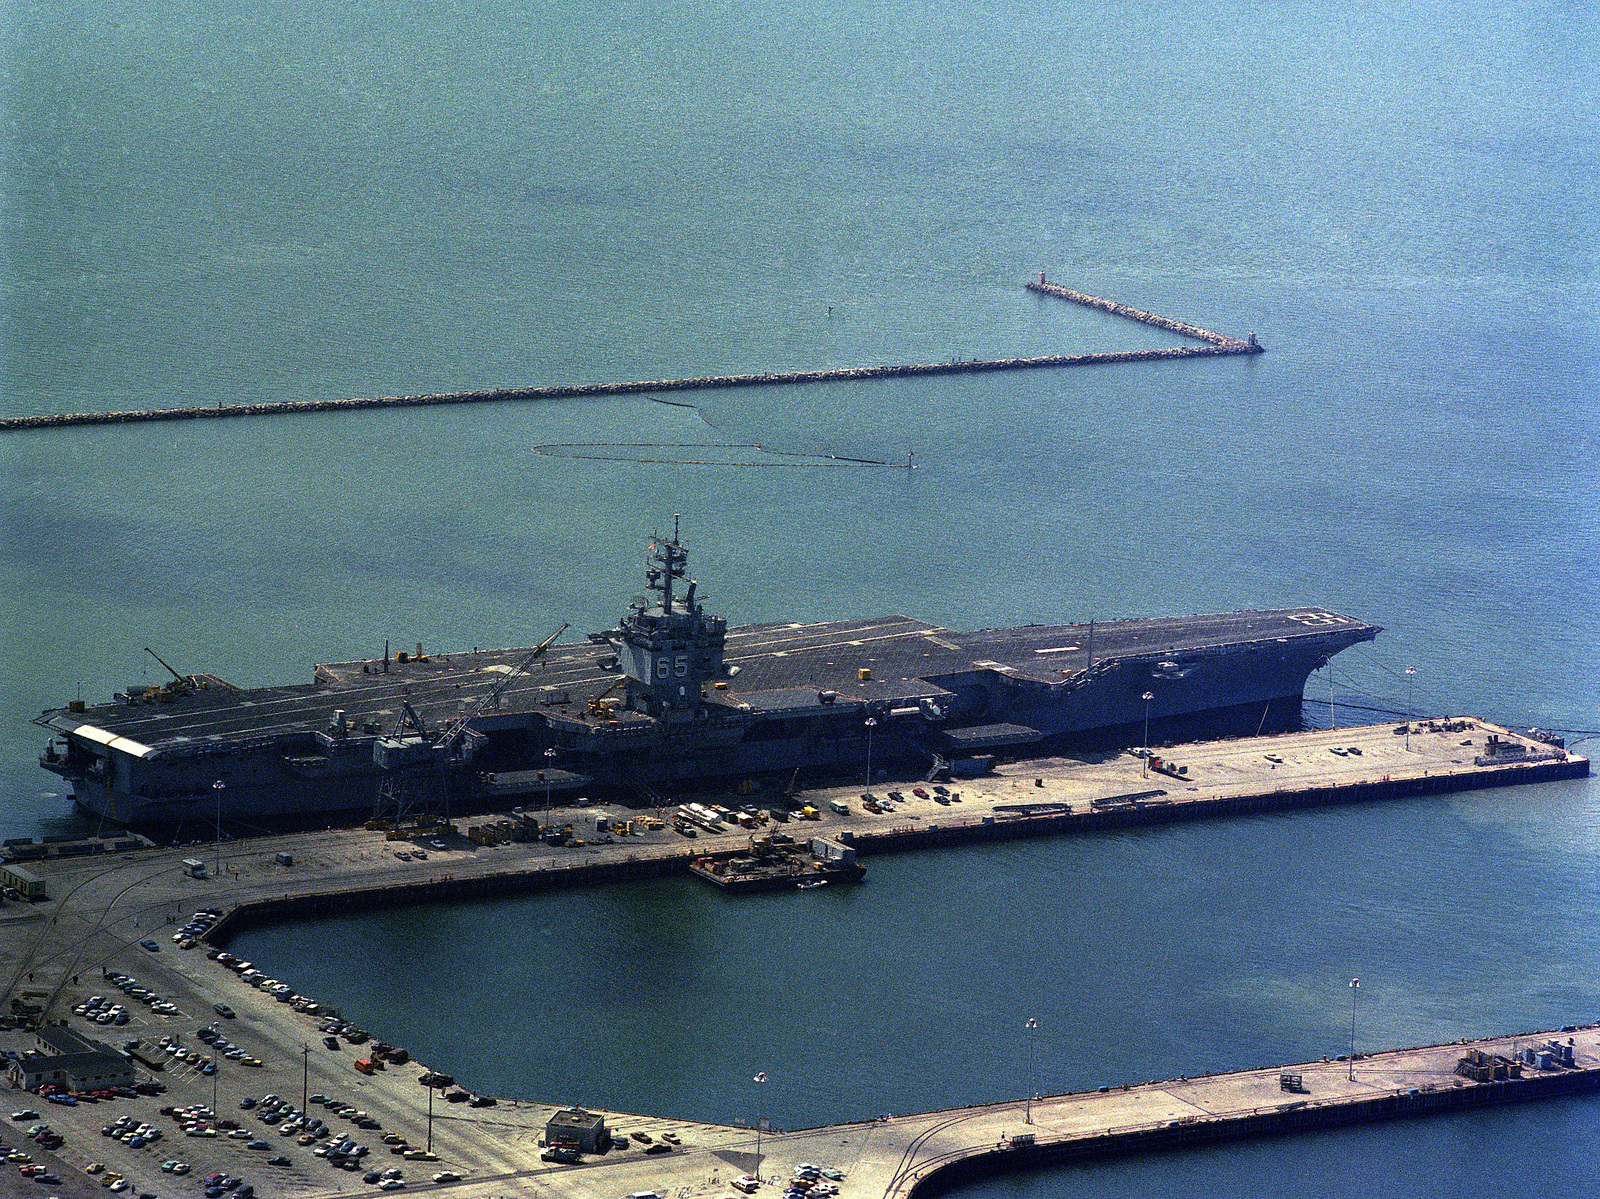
<point x="415" y="764"/>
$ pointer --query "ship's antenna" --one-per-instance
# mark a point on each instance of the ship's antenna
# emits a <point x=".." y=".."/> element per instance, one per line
<point x="671" y="558"/>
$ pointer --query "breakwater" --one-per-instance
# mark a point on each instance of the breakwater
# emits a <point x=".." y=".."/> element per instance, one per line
<point x="1217" y="345"/>
<point x="1224" y="343"/>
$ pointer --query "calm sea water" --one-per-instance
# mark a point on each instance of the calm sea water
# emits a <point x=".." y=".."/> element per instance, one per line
<point x="286" y="203"/>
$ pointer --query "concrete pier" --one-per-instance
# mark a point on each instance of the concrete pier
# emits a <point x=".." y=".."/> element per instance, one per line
<point x="98" y="907"/>
<point x="345" y="870"/>
<point x="930" y="1153"/>
<point x="1218" y="345"/>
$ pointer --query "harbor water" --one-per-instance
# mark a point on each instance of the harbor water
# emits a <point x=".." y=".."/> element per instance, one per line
<point x="290" y="204"/>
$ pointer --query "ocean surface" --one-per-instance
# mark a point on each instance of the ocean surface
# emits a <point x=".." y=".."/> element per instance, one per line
<point x="286" y="202"/>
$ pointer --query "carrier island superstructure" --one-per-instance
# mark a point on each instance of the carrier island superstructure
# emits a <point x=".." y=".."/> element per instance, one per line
<point x="673" y="696"/>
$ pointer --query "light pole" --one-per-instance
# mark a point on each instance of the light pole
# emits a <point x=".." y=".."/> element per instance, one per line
<point x="216" y="1070"/>
<point x="872" y="723"/>
<point x="430" y="1117"/>
<point x="1410" y="670"/>
<point x="1147" y="697"/>
<point x="549" y="765"/>
<point x="1031" y="1025"/>
<point x="305" y="1076"/>
<point x="760" y="1081"/>
<point x="1355" y="985"/>
<point x="218" y="788"/>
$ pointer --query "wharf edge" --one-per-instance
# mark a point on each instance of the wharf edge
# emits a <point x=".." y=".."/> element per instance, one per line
<point x="515" y="880"/>
<point x="1218" y="345"/>
<point x="1387" y="1085"/>
<point x="892" y="1156"/>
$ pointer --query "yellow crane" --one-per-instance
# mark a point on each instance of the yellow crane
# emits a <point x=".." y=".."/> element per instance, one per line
<point x="598" y="709"/>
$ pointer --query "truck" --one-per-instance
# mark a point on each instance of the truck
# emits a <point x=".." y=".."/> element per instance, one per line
<point x="194" y="867"/>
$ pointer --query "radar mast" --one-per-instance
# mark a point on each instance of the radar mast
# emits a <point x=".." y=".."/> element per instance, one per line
<point x="670" y="651"/>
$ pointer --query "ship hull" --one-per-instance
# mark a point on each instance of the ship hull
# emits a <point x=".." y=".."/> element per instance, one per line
<point x="675" y="697"/>
<point x="260" y="789"/>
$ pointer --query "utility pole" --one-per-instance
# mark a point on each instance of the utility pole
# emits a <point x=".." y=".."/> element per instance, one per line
<point x="218" y="787"/>
<point x="549" y="765"/>
<point x="1355" y="985"/>
<point x="1147" y="697"/>
<point x="1031" y="1025"/>
<point x="1410" y="670"/>
<point x="760" y="1081"/>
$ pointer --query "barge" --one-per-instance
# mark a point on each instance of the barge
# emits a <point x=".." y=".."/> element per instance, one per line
<point x="673" y="696"/>
<point x="777" y="867"/>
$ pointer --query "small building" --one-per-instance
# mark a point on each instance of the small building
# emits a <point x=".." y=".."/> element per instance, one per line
<point x="57" y="1039"/>
<point x="573" y="1127"/>
<point x="832" y="852"/>
<point x="28" y="884"/>
<point x="71" y="1060"/>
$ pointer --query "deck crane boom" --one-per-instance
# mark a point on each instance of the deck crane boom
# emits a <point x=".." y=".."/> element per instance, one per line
<point x="454" y="730"/>
<point x="416" y="768"/>
<point x="598" y="709"/>
<point x="163" y="662"/>
<point x="179" y="685"/>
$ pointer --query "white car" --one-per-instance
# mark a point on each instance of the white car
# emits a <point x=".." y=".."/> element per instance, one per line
<point x="391" y="1184"/>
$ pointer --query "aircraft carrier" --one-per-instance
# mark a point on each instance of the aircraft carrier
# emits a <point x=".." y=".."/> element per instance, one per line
<point x="672" y="696"/>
